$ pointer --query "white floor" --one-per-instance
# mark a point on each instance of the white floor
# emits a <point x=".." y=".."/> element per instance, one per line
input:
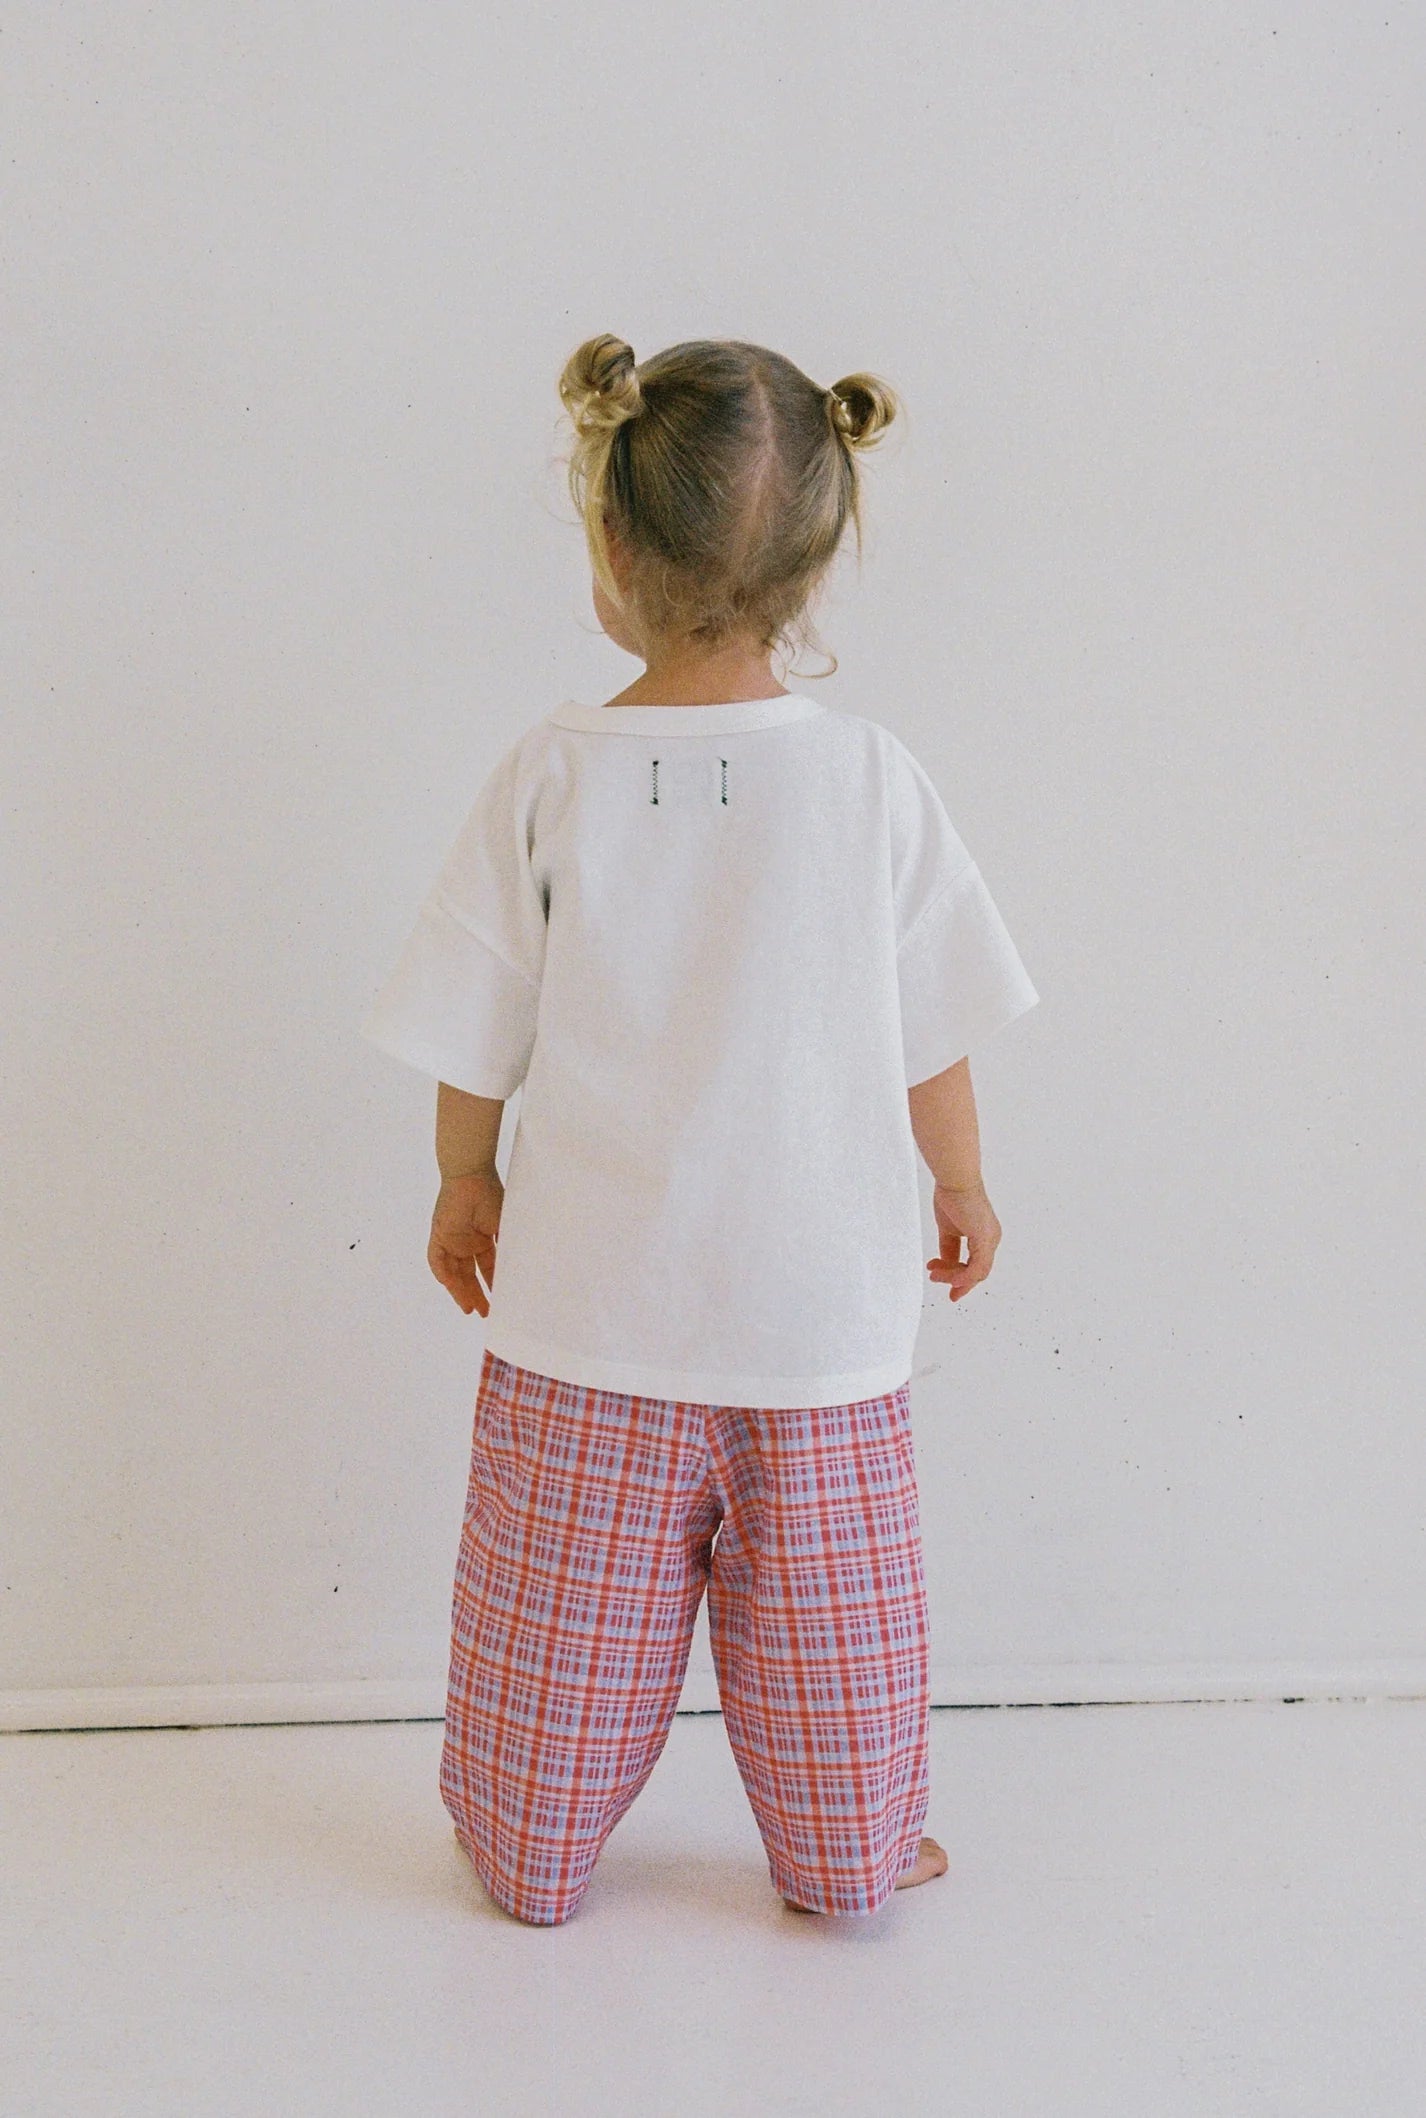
<point x="1150" y="1911"/>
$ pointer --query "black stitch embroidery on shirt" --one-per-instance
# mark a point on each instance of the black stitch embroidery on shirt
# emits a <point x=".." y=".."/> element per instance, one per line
<point x="724" y="763"/>
<point x="655" y="795"/>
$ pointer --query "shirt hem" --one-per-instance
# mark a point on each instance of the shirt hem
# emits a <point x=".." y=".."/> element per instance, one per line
<point x="918" y="1069"/>
<point x="441" y="1065"/>
<point x="693" y="1385"/>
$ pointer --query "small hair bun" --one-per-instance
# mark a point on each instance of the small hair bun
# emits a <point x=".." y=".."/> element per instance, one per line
<point x="861" y="408"/>
<point x="600" y="384"/>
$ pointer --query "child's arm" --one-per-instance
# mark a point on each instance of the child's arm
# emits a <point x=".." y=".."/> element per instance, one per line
<point x="467" y="1132"/>
<point x="943" y="1122"/>
<point x="466" y="1220"/>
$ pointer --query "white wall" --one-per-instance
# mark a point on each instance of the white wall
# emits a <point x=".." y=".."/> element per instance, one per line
<point x="290" y="288"/>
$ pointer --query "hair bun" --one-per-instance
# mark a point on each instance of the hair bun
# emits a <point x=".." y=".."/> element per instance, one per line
<point x="861" y="407"/>
<point x="600" y="384"/>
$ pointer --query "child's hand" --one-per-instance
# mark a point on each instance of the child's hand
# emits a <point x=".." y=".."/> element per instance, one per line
<point x="463" y="1231"/>
<point x="965" y="1211"/>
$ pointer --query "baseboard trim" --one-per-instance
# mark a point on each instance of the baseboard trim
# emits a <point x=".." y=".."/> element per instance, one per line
<point x="952" y="1685"/>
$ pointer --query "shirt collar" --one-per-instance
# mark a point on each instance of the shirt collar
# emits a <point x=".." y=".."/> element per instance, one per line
<point x="726" y="717"/>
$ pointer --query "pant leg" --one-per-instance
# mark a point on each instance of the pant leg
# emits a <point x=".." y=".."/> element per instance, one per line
<point x="818" y="1625"/>
<point x="583" y="1555"/>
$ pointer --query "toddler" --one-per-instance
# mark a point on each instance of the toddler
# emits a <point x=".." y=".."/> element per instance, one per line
<point x="727" y="943"/>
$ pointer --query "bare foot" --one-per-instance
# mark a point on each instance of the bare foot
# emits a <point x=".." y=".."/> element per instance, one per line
<point x="930" y="1861"/>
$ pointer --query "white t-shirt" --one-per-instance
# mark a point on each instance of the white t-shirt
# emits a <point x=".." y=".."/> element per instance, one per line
<point x="713" y="945"/>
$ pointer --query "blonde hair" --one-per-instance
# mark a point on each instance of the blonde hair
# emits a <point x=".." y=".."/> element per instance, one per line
<point x="727" y="475"/>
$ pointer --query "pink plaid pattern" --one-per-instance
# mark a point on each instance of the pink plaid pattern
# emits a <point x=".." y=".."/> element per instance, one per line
<point x="594" y="1522"/>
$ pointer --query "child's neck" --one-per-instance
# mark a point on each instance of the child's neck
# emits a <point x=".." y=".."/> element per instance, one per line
<point x="703" y="680"/>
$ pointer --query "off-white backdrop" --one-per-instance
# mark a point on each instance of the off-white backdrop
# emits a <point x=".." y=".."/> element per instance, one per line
<point x="292" y="564"/>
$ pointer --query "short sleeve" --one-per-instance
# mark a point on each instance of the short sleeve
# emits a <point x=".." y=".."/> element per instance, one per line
<point x="462" y="999"/>
<point x="959" y="975"/>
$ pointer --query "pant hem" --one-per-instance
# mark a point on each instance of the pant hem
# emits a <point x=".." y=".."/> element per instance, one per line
<point x="865" y="1901"/>
<point x="531" y="1911"/>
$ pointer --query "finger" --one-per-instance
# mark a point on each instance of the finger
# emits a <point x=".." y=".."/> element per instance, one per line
<point x="457" y="1273"/>
<point x="972" y="1273"/>
<point x="463" y="1241"/>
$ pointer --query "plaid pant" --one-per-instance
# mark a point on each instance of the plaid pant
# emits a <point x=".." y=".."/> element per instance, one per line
<point x="594" y="1520"/>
